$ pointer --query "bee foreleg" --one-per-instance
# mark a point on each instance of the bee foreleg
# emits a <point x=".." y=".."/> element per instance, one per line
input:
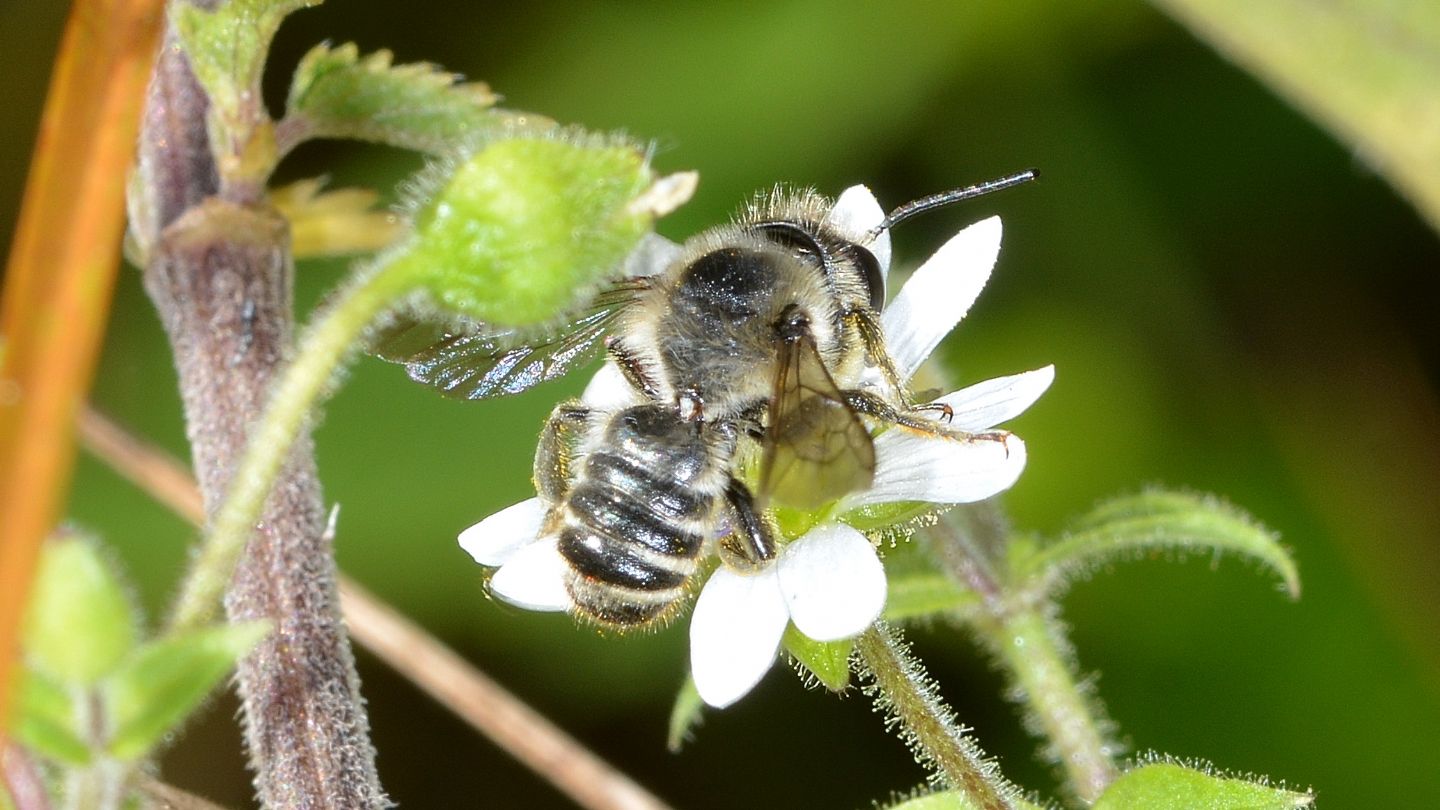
<point x="868" y="404"/>
<point x="947" y="413"/>
<point x="752" y="539"/>
<point x="556" y="450"/>
<point x="865" y="324"/>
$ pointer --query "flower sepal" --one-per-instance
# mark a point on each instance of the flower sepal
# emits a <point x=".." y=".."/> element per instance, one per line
<point x="827" y="661"/>
<point x="888" y="516"/>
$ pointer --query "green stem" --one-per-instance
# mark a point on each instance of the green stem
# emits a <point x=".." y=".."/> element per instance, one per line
<point x="1031" y="648"/>
<point x="305" y="382"/>
<point x="98" y="785"/>
<point x="1036" y="654"/>
<point x="902" y="690"/>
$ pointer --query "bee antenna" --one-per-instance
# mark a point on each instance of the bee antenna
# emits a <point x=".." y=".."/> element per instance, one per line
<point x="944" y="198"/>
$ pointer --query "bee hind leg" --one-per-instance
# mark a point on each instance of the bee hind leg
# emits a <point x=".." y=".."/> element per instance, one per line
<point x="556" y="451"/>
<point x="630" y="366"/>
<point x="751" y="544"/>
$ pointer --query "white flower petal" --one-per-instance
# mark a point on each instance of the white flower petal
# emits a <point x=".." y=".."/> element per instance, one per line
<point x="987" y="404"/>
<point x="833" y="582"/>
<point x="914" y="467"/>
<point x="855" y="213"/>
<point x="534" y="579"/>
<point x="609" y="390"/>
<point x="939" y="294"/>
<point x="735" y="633"/>
<point x="494" y="540"/>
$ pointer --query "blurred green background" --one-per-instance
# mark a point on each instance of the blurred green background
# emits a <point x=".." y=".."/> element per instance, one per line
<point x="1234" y="303"/>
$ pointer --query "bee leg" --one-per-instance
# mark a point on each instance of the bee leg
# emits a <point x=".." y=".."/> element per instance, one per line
<point x="555" y="452"/>
<point x="751" y="540"/>
<point x="866" y="403"/>
<point x="947" y="413"/>
<point x="752" y="420"/>
<point x="864" y="322"/>
<point x="632" y="368"/>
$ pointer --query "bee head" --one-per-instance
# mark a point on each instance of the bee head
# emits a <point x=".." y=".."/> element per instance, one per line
<point x="797" y="236"/>
<point x="832" y="252"/>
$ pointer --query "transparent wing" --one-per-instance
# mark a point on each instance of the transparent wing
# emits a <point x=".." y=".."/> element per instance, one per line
<point x="817" y="448"/>
<point x="491" y="363"/>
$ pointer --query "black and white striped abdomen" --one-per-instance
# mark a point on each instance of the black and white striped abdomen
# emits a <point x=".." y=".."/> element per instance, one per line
<point x="638" y="513"/>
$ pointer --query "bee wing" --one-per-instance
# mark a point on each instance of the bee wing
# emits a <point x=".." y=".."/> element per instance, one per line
<point x="817" y="448"/>
<point x="495" y="362"/>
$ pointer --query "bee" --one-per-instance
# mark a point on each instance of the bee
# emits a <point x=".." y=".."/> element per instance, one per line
<point x="759" y="338"/>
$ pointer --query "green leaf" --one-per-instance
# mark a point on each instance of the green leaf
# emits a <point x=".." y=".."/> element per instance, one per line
<point x="1364" y="70"/>
<point x="338" y="94"/>
<point x="684" y="716"/>
<point x="1134" y="524"/>
<point x="921" y="594"/>
<point x="166" y="679"/>
<point x="828" y="661"/>
<point x="1168" y="786"/>
<point x="44" y="720"/>
<point x="227" y="49"/>
<point x="80" y="621"/>
<point x="524" y="230"/>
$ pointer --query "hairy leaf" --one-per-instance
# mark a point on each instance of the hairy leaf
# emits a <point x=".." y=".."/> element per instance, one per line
<point x="1169" y="786"/>
<point x="44" y="720"/>
<point x="227" y="47"/>
<point x="1154" y="520"/>
<point x="336" y="93"/>
<point x="80" y="621"/>
<point x="166" y="679"/>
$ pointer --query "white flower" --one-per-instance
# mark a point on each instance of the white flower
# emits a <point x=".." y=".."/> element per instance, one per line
<point x="829" y="582"/>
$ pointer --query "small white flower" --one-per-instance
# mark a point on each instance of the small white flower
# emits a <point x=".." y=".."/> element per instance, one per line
<point x="829" y="582"/>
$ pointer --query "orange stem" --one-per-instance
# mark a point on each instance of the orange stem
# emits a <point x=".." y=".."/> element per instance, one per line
<point x="60" y="277"/>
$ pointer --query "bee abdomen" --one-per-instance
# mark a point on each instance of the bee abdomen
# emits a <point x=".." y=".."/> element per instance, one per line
<point x="632" y="535"/>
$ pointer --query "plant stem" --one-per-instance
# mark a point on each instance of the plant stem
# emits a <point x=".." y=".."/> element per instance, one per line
<point x="99" y="784"/>
<point x="1033" y="651"/>
<point x="220" y="274"/>
<point x="303" y="384"/>
<point x="169" y="797"/>
<point x="902" y="690"/>
<point x="1031" y="648"/>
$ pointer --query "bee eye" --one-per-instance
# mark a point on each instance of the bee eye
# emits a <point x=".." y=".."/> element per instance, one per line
<point x="796" y="237"/>
<point x="792" y="235"/>
<point x="874" y="278"/>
